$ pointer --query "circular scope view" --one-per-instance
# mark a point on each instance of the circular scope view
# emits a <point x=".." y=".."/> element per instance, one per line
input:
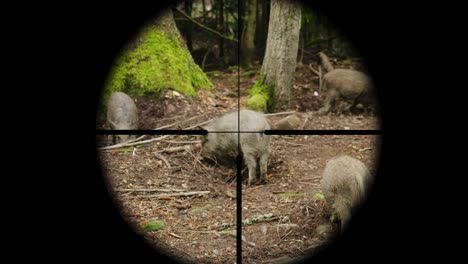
<point x="194" y="92"/>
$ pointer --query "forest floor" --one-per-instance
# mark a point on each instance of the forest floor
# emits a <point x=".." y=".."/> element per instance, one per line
<point x="284" y="218"/>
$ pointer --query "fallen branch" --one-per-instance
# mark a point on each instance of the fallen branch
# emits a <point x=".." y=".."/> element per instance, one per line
<point x="294" y="144"/>
<point x="126" y="144"/>
<point x="281" y="113"/>
<point x="179" y="122"/>
<point x="200" y="124"/>
<point x="248" y="242"/>
<point x="169" y="118"/>
<point x="174" y="235"/>
<point x="159" y="156"/>
<point x="282" y="238"/>
<point x="135" y="139"/>
<point x="203" y="26"/>
<point x="309" y="178"/>
<point x="174" y="149"/>
<point x="149" y="190"/>
<point x="201" y="231"/>
<point x="173" y="194"/>
<point x="182" y="142"/>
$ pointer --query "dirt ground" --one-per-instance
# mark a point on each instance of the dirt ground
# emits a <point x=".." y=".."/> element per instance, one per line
<point x="282" y="219"/>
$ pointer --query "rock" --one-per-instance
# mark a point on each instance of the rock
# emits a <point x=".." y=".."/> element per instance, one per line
<point x="290" y="122"/>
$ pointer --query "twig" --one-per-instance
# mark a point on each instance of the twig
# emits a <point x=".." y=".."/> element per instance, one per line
<point x="283" y="237"/>
<point x="169" y="118"/>
<point x="203" y="26"/>
<point x="179" y="122"/>
<point x="294" y="144"/>
<point x="305" y="121"/>
<point x="173" y="194"/>
<point x="281" y="113"/>
<point x="182" y="142"/>
<point x="308" y="183"/>
<point x="364" y="149"/>
<point x="174" y="235"/>
<point x="149" y="190"/>
<point x="199" y="124"/>
<point x="256" y="187"/>
<point x="174" y="149"/>
<point x="126" y="144"/>
<point x="136" y="139"/>
<point x="159" y="156"/>
<point x="197" y="160"/>
<point x="201" y="231"/>
<point x="248" y="242"/>
<point x="303" y="86"/>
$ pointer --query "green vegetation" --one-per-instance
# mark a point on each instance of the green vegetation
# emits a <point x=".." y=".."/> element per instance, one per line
<point x="154" y="226"/>
<point x="261" y="96"/>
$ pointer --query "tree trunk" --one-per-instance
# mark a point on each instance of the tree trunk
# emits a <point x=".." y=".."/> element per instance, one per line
<point x="188" y="34"/>
<point x="279" y="63"/>
<point x="262" y="22"/>
<point x="248" y="34"/>
<point x="204" y="11"/>
<point x="221" y="27"/>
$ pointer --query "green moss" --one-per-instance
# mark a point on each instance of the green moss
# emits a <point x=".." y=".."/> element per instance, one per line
<point x="257" y="218"/>
<point x="248" y="73"/>
<point x="127" y="149"/>
<point x="318" y="196"/>
<point x="294" y="7"/>
<point x="261" y="96"/>
<point x="154" y="226"/>
<point x="233" y="68"/>
<point x="258" y="102"/>
<point x="157" y="62"/>
<point x="290" y="194"/>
